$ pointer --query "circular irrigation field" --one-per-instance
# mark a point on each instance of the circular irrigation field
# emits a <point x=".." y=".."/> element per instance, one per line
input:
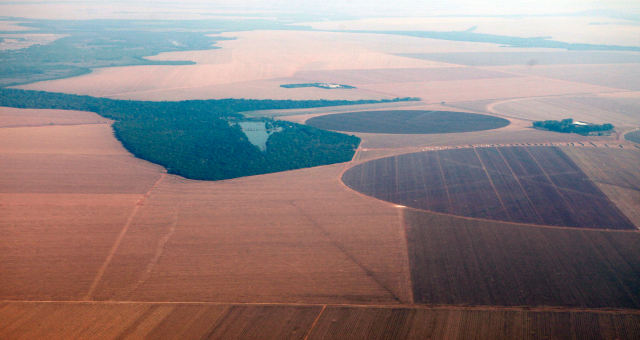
<point x="407" y="122"/>
<point x="537" y="185"/>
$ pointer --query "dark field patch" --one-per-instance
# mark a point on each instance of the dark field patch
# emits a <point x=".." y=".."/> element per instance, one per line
<point x="415" y="323"/>
<point x="633" y="136"/>
<point x="407" y="122"/>
<point x="473" y="262"/>
<point x="538" y="185"/>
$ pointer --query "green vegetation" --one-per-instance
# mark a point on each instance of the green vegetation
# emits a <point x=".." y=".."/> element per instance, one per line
<point x="633" y="136"/>
<point x="537" y="42"/>
<point x="106" y="43"/>
<point x="569" y="126"/>
<point x="199" y="139"/>
<point x="328" y="86"/>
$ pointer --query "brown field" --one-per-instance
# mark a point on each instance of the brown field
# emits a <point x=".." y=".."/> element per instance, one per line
<point x="622" y="112"/>
<point x="66" y="191"/>
<point x="563" y="28"/>
<point x="219" y="321"/>
<point x="240" y="65"/>
<point x="99" y="244"/>
<point x="538" y="185"/>
<point x="87" y="220"/>
<point x="262" y="238"/>
<point x="12" y="117"/>
<point x="619" y="76"/>
<point x="471" y="262"/>
<point x="359" y="77"/>
<point x="615" y="172"/>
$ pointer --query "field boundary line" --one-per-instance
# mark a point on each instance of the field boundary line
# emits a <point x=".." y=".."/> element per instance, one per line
<point x="119" y="239"/>
<point x="315" y="322"/>
<point x="405" y="238"/>
<point x="444" y="182"/>
<point x="486" y="172"/>
<point x="557" y="189"/>
<point x="342" y="249"/>
<point x="604" y="310"/>
<point x="158" y="252"/>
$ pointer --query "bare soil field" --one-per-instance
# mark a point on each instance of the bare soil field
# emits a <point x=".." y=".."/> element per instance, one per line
<point x="407" y="122"/>
<point x="409" y="323"/>
<point x="621" y="112"/>
<point x="180" y="321"/>
<point x="399" y="75"/>
<point x="531" y="58"/>
<point x="482" y="89"/>
<point x="619" y="76"/>
<point x="12" y="117"/>
<point x="86" y="220"/>
<point x="538" y="185"/>
<point x="66" y="191"/>
<point x="615" y="172"/>
<point x="253" y="57"/>
<point x="563" y="28"/>
<point x="262" y="238"/>
<point x="471" y="262"/>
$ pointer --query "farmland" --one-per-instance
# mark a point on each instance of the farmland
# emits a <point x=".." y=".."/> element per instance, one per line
<point x="633" y="136"/>
<point x="407" y="122"/>
<point x="180" y="321"/>
<point x="479" y="228"/>
<point x="538" y="185"/>
<point x="527" y="265"/>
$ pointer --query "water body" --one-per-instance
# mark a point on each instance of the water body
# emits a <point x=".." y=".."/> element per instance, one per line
<point x="257" y="133"/>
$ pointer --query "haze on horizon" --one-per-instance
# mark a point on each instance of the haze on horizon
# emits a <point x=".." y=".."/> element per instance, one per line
<point x="193" y="9"/>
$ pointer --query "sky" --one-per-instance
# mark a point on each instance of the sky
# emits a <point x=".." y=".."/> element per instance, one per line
<point x="157" y="9"/>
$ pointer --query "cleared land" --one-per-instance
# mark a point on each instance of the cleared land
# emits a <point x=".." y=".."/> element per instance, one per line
<point x="180" y="321"/>
<point x="239" y="66"/>
<point x="615" y="172"/>
<point x="531" y="58"/>
<point x="538" y="185"/>
<point x="472" y="262"/>
<point x="593" y="109"/>
<point x="262" y="238"/>
<point x="12" y="117"/>
<point x="620" y="76"/>
<point x="401" y="75"/>
<point x="407" y="122"/>
<point x="65" y="193"/>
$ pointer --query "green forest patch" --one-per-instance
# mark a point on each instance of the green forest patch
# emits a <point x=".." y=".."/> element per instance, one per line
<point x="200" y="139"/>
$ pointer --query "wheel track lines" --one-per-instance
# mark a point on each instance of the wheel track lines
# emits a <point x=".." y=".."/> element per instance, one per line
<point x="119" y="239"/>
<point x="342" y="249"/>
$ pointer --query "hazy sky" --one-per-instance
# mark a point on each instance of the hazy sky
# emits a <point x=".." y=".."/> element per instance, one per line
<point x="193" y="8"/>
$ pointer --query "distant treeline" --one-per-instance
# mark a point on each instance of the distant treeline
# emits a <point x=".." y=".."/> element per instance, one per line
<point x="194" y="138"/>
<point x="569" y="126"/>
<point x="318" y="85"/>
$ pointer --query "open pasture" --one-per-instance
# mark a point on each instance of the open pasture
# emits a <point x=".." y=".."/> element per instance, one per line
<point x="538" y="185"/>
<point x="407" y="122"/>
<point x="473" y="262"/>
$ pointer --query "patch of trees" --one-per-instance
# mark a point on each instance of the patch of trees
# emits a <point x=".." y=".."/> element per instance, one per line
<point x="569" y="126"/>
<point x="194" y="139"/>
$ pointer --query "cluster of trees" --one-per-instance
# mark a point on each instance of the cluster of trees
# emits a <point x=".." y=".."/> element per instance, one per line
<point x="569" y="126"/>
<point x="194" y="138"/>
